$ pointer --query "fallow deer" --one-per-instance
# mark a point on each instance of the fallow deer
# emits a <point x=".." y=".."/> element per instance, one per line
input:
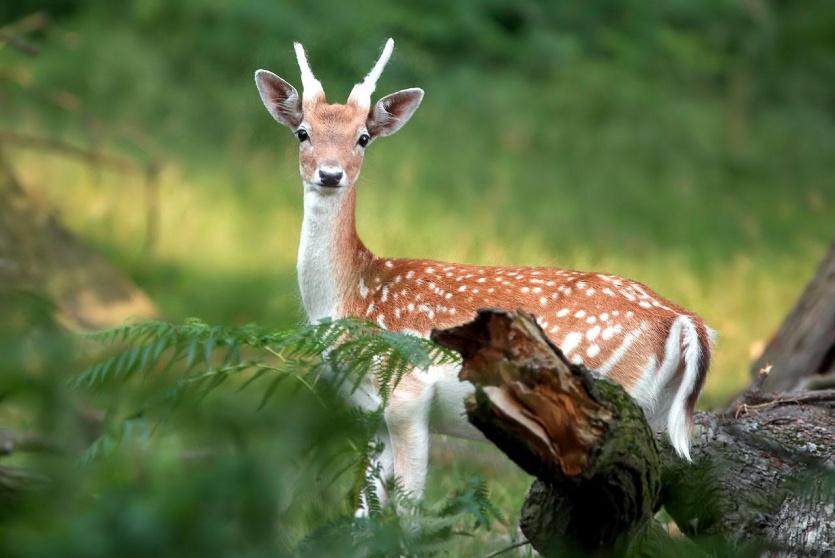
<point x="657" y="350"/>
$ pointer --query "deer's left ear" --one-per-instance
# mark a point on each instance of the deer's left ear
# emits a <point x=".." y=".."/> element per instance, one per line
<point x="281" y="99"/>
<point x="392" y="111"/>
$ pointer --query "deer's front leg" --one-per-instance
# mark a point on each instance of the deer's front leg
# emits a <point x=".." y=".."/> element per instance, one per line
<point x="407" y="418"/>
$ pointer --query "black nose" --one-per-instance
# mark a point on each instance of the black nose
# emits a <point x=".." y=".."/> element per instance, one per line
<point x="330" y="178"/>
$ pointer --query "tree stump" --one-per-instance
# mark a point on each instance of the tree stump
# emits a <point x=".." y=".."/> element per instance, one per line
<point x="762" y="477"/>
<point x="585" y="439"/>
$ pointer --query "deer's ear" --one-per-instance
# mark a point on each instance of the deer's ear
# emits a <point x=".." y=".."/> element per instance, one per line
<point x="392" y="111"/>
<point x="281" y="99"/>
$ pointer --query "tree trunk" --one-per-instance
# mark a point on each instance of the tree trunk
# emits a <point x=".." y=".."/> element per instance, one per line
<point x="38" y="255"/>
<point x="802" y="352"/>
<point x="761" y="478"/>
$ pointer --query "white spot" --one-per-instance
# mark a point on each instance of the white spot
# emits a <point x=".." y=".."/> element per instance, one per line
<point x="543" y="301"/>
<point x="555" y="329"/>
<point x="592" y="334"/>
<point x="591" y="320"/>
<point x="537" y="290"/>
<point x="629" y="313"/>
<point x="410" y="274"/>
<point x="490" y="290"/>
<point x="604" y="317"/>
<point x="644" y="304"/>
<point x="563" y="312"/>
<point x="525" y="289"/>
<point x="411" y="307"/>
<point x="593" y="351"/>
<point x="397" y="312"/>
<point x="481" y="280"/>
<point x="581" y="285"/>
<point x="363" y="288"/>
<point x="462" y="288"/>
<point x="577" y="359"/>
<point x="381" y="320"/>
<point x="571" y="341"/>
<point x="590" y="292"/>
<point x="475" y="291"/>
<point x="426" y="309"/>
<point x="369" y="309"/>
<point x="389" y="264"/>
<point x="449" y="274"/>
<point x="385" y="294"/>
<point x="398" y="279"/>
<point x="453" y="311"/>
<point x="549" y="283"/>
<point x="608" y="332"/>
<point x="608" y="292"/>
<point x="616" y="313"/>
<point x="430" y="270"/>
<point x="579" y="313"/>
<point x="448" y="296"/>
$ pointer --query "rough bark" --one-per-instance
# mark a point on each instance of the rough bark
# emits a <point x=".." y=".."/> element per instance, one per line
<point x="802" y="352"/>
<point x="585" y="440"/>
<point x="761" y="480"/>
<point x="38" y="255"/>
<point x="762" y="471"/>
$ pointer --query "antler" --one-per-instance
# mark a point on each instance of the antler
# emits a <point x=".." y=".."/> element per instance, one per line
<point x="312" y="87"/>
<point x="361" y="93"/>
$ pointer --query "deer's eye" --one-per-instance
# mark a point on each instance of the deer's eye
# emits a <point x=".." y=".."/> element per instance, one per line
<point x="301" y="133"/>
<point x="363" y="140"/>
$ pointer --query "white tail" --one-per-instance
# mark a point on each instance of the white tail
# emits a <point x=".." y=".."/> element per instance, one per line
<point x="657" y="350"/>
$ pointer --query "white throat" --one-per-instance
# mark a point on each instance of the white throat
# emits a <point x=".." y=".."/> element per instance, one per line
<point x="317" y="260"/>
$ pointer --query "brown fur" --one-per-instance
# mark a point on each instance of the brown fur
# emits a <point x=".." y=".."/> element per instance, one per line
<point x="333" y="131"/>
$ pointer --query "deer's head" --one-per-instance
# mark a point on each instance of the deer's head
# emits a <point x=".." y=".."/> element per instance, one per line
<point x="332" y="137"/>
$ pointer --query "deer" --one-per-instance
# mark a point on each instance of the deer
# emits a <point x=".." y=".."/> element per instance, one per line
<point x="619" y="328"/>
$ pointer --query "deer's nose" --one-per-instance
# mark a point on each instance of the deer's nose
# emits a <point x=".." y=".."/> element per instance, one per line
<point x="330" y="176"/>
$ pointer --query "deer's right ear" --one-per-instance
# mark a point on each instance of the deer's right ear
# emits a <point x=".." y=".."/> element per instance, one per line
<point x="281" y="99"/>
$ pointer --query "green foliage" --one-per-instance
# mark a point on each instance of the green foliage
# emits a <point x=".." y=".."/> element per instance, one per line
<point x="186" y="371"/>
<point x="349" y="348"/>
<point x="407" y="527"/>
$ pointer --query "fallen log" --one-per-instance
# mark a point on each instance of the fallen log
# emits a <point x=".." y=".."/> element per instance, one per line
<point x="602" y="474"/>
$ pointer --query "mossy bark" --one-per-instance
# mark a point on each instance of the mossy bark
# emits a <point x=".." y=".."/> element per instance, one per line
<point x="585" y="439"/>
<point x="762" y="479"/>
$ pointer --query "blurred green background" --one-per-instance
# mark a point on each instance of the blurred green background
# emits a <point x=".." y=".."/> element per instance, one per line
<point x="686" y="144"/>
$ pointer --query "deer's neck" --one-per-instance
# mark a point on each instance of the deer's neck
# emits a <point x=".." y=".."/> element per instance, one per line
<point x="331" y="255"/>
